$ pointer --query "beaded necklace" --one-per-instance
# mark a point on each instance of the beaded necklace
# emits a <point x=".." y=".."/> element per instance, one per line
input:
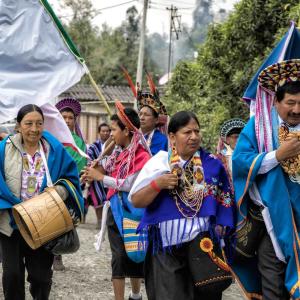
<point x="188" y="195"/>
<point x="149" y="138"/>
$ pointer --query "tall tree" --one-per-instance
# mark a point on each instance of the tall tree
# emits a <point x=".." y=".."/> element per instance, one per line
<point x="80" y="28"/>
<point x="107" y="49"/>
<point x="213" y="84"/>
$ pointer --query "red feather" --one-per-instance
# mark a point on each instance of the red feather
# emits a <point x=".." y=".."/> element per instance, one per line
<point x="151" y="84"/>
<point x="130" y="82"/>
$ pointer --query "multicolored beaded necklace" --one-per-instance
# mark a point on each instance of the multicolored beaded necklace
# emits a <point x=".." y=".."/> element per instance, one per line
<point x="188" y="195"/>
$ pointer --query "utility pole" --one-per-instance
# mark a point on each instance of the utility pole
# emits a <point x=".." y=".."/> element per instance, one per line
<point x="175" y="23"/>
<point x="139" y="73"/>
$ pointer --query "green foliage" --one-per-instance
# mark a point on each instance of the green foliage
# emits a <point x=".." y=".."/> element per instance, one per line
<point x="212" y="86"/>
<point x="106" y="50"/>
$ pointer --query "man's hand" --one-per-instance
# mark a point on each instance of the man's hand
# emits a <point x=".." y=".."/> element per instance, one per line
<point x="289" y="148"/>
<point x="167" y="181"/>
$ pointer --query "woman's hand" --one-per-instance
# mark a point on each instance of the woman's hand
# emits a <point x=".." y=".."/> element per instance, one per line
<point x="91" y="174"/>
<point x="167" y="181"/>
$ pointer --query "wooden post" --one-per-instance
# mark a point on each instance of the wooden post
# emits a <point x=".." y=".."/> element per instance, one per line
<point x="139" y="72"/>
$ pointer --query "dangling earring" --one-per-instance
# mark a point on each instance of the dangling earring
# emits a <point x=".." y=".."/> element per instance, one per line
<point x="174" y="150"/>
<point x="174" y="154"/>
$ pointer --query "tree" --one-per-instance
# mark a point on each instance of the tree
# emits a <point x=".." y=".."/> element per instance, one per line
<point x="80" y="28"/>
<point x="106" y="50"/>
<point x="214" y="84"/>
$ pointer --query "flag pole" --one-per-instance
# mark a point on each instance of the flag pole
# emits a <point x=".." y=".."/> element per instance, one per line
<point x="75" y="52"/>
<point x="97" y="90"/>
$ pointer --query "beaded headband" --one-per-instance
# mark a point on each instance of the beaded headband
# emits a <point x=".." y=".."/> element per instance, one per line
<point x="230" y="125"/>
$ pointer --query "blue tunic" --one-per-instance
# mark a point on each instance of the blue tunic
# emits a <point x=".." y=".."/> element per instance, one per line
<point x="280" y="195"/>
<point x="159" y="142"/>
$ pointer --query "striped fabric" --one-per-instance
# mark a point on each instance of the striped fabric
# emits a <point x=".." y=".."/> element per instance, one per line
<point x="135" y="244"/>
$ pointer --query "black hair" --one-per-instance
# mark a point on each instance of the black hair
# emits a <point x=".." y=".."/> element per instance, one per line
<point x="102" y="125"/>
<point x="26" y="109"/>
<point x="292" y="88"/>
<point x="181" y="119"/>
<point x="131" y="115"/>
<point x="154" y="113"/>
<point x="67" y="109"/>
<point x="234" y="131"/>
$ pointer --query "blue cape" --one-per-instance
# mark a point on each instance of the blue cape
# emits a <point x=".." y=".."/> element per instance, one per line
<point x="62" y="170"/>
<point x="280" y="195"/>
<point x="217" y="202"/>
<point x="159" y="142"/>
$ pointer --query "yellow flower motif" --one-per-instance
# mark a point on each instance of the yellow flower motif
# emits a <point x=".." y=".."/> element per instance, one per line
<point x="206" y="245"/>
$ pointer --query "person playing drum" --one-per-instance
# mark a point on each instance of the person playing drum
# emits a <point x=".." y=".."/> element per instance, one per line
<point x="23" y="176"/>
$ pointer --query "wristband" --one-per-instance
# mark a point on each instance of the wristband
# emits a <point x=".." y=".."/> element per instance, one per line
<point x="155" y="186"/>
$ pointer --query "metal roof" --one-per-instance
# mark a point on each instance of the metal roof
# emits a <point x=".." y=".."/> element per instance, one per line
<point x="85" y="92"/>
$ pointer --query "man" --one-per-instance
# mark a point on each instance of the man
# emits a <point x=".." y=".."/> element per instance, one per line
<point x="266" y="177"/>
<point x="229" y="134"/>
<point x="97" y="192"/>
<point x="70" y="110"/>
<point x="153" y="115"/>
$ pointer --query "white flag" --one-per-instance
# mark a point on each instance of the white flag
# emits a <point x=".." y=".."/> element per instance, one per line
<point x="38" y="60"/>
<point x="56" y="125"/>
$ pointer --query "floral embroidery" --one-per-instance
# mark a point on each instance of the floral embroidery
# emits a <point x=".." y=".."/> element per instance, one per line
<point x="222" y="197"/>
<point x="32" y="175"/>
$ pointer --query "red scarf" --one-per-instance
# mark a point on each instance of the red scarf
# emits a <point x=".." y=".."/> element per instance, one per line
<point x="140" y="159"/>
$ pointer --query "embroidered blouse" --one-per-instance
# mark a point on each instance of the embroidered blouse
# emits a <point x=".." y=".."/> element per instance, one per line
<point x="32" y="175"/>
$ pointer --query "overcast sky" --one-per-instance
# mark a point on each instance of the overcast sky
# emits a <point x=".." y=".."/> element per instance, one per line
<point x="113" y="12"/>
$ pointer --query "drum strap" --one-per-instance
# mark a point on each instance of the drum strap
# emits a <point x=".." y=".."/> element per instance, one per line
<point x="49" y="180"/>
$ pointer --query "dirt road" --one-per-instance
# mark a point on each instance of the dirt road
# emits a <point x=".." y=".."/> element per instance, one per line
<point x="87" y="274"/>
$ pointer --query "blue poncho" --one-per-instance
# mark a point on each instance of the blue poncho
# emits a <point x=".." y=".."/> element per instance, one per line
<point x="280" y="195"/>
<point x="62" y="168"/>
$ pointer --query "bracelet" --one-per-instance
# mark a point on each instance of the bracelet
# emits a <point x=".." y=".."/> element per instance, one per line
<point x="155" y="186"/>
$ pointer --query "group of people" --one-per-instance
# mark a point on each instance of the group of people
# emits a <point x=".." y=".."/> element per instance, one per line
<point x="182" y="218"/>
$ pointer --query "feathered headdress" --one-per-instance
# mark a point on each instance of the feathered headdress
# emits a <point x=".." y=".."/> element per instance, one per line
<point x="150" y="99"/>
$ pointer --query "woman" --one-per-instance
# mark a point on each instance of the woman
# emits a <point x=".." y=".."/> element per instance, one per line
<point x="189" y="212"/>
<point x="22" y="176"/>
<point x="118" y="174"/>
